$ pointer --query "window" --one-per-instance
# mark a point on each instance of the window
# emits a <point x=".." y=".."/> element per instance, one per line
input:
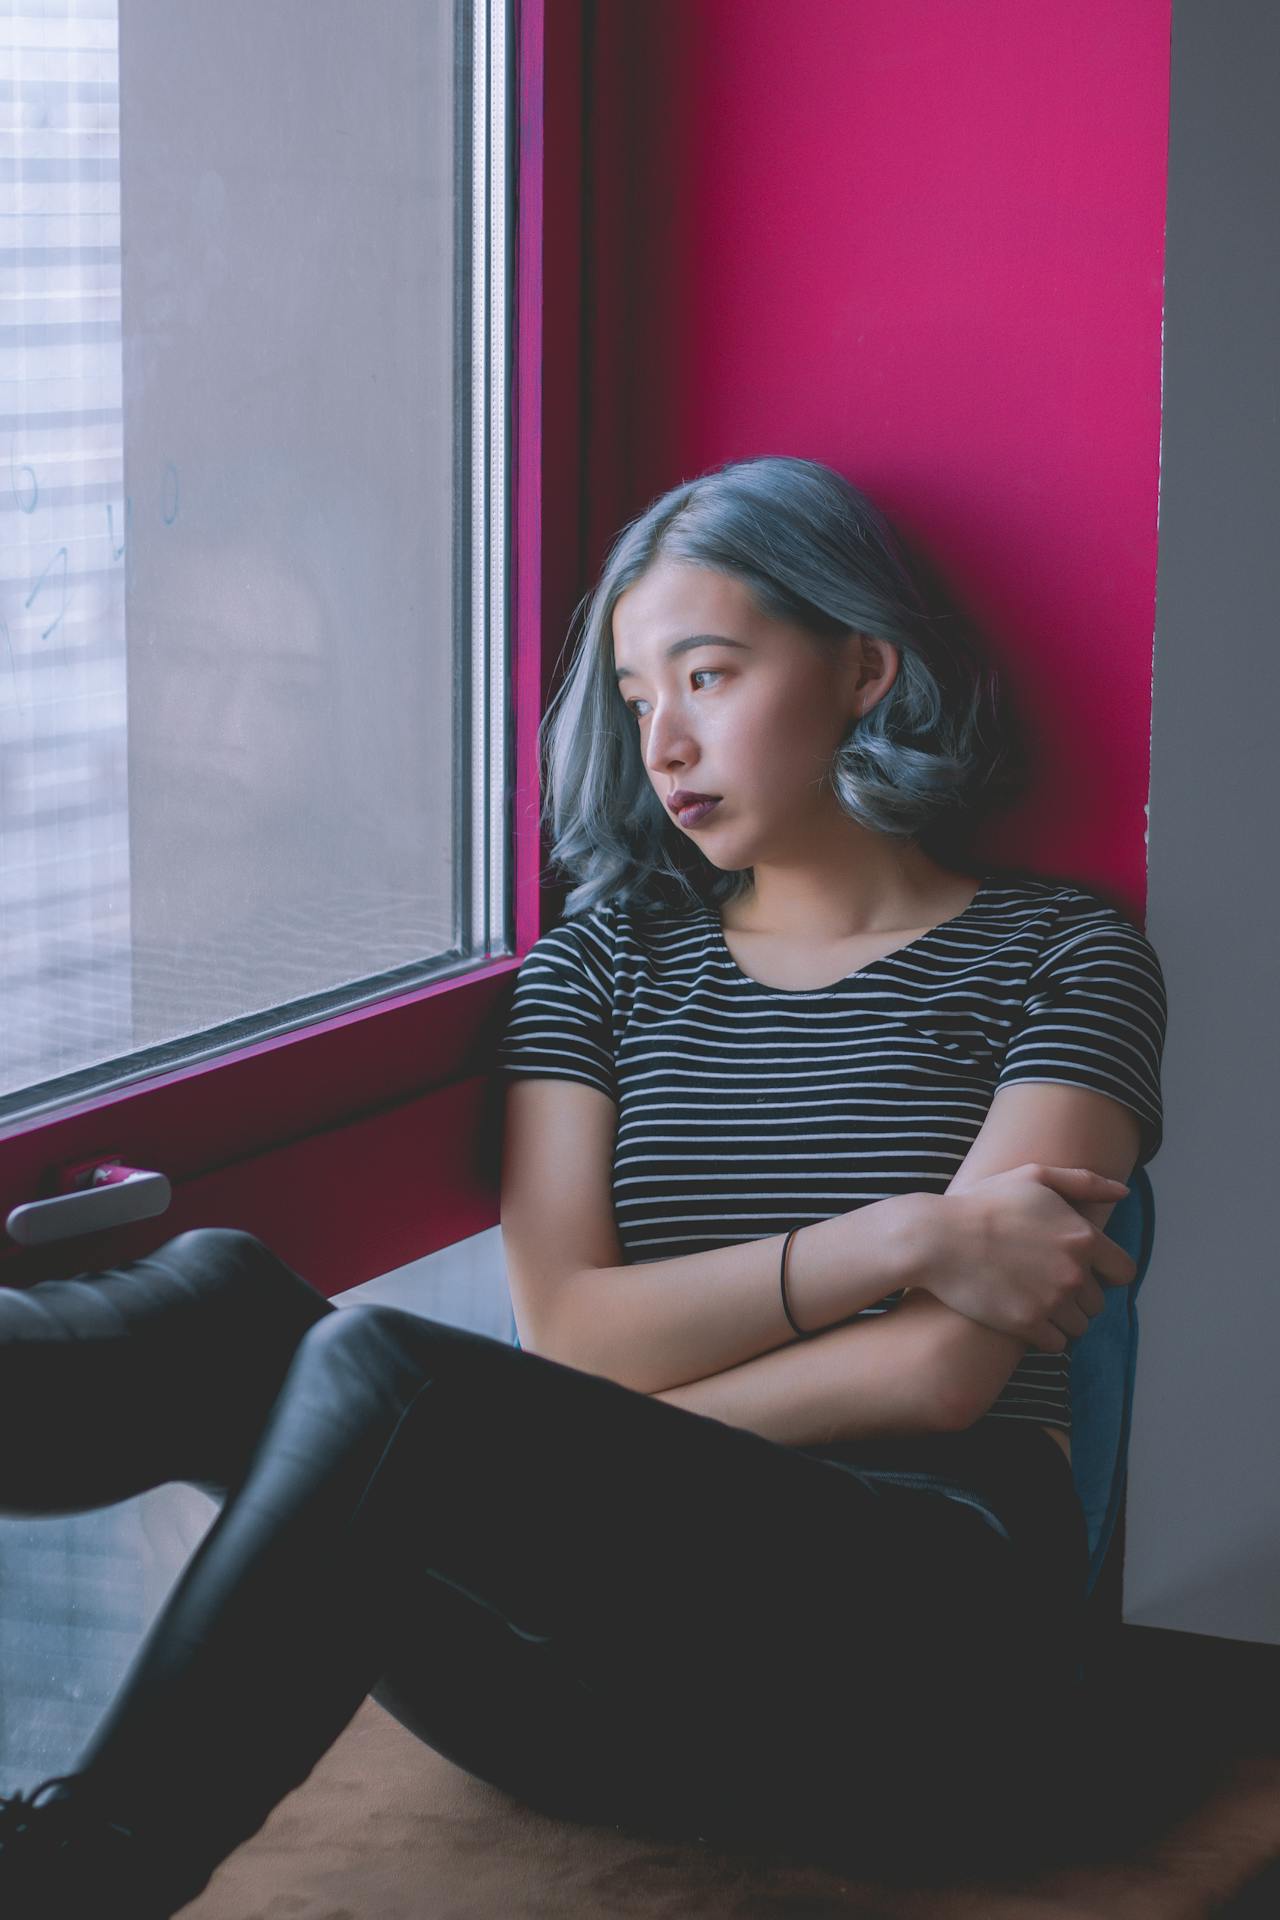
<point x="253" y="547"/>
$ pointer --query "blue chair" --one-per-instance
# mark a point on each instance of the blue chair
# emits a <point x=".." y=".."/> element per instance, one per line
<point x="1104" y="1361"/>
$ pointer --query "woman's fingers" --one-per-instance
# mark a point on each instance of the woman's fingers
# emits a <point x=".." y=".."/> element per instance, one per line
<point x="1110" y="1261"/>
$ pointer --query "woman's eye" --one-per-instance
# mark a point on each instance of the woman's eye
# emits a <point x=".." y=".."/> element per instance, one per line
<point x="714" y="673"/>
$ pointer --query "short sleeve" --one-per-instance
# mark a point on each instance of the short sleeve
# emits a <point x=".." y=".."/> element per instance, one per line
<point x="1095" y="1014"/>
<point x="560" y="1024"/>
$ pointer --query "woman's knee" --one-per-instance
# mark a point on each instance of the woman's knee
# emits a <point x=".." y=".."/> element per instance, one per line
<point x="220" y="1250"/>
<point x="389" y="1353"/>
<point x="238" y="1267"/>
<point x="372" y="1338"/>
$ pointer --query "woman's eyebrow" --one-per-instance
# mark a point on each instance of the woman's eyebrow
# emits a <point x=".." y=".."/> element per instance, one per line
<point x="683" y="646"/>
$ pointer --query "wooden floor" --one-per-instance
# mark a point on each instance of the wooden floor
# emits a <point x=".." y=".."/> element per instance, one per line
<point x="386" y="1829"/>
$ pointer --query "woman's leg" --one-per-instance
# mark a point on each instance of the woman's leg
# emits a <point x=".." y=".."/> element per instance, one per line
<point x="690" y="1615"/>
<point x="163" y="1369"/>
<point x="679" y="1622"/>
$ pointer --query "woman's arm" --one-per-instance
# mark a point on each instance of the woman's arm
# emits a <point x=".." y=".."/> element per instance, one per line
<point x="1034" y="1121"/>
<point x="659" y="1324"/>
<point x="922" y="1367"/>
<point x="883" y="1374"/>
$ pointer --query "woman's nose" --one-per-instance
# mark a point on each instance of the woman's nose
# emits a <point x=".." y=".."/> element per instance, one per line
<point x="667" y="743"/>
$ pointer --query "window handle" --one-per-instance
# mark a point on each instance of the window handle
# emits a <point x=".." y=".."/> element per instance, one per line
<point x="95" y="1194"/>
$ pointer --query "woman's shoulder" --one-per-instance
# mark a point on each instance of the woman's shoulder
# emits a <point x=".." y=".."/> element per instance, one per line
<point x="583" y="941"/>
<point x="1059" y="901"/>
<point x="633" y="947"/>
<point x="1073" y="926"/>
<point x="625" y="922"/>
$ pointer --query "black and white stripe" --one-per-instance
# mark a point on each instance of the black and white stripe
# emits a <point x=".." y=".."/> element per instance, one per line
<point x="744" y="1109"/>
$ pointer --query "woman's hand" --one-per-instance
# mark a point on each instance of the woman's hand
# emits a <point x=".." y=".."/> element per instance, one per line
<point x="1011" y="1253"/>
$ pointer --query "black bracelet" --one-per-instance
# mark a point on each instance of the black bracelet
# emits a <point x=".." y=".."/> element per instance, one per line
<point x="785" y="1308"/>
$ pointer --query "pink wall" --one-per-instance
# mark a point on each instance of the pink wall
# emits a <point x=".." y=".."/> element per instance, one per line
<point x="922" y="241"/>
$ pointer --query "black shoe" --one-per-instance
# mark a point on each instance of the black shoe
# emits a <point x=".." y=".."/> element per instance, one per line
<point x="64" y="1859"/>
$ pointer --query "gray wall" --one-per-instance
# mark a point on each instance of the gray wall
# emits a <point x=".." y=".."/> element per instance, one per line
<point x="1203" y="1525"/>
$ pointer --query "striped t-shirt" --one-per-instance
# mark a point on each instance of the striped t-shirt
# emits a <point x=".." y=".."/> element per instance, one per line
<point x="746" y="1109"/>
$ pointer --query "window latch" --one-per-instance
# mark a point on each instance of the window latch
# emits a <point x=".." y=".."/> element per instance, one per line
<point x="94" y="1194"/>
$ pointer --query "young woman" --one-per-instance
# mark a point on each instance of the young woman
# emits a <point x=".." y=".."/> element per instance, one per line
<point x="769" y="1530"/>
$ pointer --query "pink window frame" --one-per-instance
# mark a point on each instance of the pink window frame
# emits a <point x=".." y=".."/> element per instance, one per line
<point x="372" y="1138"/>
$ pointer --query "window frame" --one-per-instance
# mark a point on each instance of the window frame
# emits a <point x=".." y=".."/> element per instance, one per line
<point x="371" y="1137"/>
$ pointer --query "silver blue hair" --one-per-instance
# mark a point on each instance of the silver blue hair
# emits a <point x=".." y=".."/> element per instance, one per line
<point x="923" y="765"/>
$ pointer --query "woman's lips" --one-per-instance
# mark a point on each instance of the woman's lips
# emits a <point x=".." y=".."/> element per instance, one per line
<point x="696" y="812"/>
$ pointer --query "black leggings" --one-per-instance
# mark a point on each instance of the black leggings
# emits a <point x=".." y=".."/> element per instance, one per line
<point x="612" y="1608"/>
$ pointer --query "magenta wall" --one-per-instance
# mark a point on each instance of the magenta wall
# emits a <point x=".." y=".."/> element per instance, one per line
<point x="921" y="240"/>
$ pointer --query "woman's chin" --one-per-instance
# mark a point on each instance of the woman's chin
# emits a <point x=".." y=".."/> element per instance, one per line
<point x="718" y="860"/>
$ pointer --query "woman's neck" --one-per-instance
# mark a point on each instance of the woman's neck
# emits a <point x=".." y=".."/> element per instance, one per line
<point x="807" y="918"/>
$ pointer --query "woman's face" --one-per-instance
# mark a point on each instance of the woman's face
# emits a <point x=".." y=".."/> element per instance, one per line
<point x="753" y="714"/>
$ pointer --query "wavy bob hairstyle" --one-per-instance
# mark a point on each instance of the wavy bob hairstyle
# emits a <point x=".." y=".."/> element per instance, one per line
<point x="923" y="765"/>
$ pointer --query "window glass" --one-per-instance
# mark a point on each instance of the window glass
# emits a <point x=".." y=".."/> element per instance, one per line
<point x="242" y="668"/>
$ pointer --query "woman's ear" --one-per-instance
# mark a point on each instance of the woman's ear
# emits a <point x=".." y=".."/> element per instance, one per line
<point x="874" y="672"/>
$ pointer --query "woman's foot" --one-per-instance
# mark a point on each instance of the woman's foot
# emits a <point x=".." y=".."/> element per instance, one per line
<point x="62" y="1857"/>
